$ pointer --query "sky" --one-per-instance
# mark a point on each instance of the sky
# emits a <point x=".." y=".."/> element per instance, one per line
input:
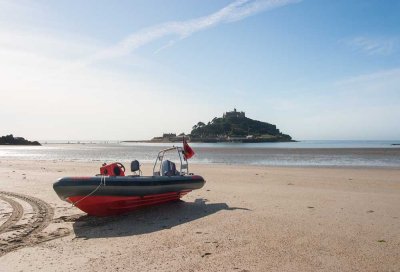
<point x="131" y="70"/>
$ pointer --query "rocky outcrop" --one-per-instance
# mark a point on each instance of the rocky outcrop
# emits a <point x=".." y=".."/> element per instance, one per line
<point x="11" y="140"/>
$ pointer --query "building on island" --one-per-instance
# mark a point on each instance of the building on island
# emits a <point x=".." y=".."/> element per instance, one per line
<point x="169" y="135"/>
<point x="234" y="113"/>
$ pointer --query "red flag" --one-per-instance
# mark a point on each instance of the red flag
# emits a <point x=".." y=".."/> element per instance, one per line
<point x="187" y="150"/>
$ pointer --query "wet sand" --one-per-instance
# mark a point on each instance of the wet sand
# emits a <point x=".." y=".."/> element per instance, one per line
<point x="246" y="218"/>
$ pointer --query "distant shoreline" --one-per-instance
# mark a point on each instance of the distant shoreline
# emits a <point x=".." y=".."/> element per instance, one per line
<point x="213" y="141"/>
<point x="283" y="154"/>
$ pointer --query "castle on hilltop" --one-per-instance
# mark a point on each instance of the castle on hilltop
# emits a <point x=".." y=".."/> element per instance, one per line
<point x="234" y="113"/>
<point x="233" y="126"/>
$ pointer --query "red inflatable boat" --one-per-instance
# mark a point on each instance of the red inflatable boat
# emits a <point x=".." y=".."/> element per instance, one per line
<point x="113" y="192"/>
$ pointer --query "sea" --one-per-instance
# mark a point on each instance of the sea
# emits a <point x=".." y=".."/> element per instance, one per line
<point x="302" y="153"/>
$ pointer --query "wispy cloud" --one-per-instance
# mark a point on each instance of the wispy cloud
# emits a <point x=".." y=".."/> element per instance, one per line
<point x="385" y="76"/>
<point x="236" y="11"/>
<point x="363" y="106"/>
<point x="36" y="80"/>
<point x="373" y="46"/>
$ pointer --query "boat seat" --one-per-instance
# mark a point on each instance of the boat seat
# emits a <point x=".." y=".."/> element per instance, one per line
<point x="135" y="166"/>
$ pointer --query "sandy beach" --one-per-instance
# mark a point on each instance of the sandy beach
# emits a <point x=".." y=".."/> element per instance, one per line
<point x="246" y="218"/>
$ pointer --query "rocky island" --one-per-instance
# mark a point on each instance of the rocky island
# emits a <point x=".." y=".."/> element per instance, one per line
<point x="233" y="126"/>
<point x="11" y="140"/>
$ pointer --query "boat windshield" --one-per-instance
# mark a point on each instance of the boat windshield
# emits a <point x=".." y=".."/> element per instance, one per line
<point x="167" y="161"/>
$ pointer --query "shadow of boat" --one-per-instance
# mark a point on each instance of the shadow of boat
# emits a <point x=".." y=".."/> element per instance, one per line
<point x="147" y="220"/>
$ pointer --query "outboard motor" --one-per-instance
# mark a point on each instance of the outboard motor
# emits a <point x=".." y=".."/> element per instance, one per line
<point x="113" y="169"/>
<point x="168" y="168"/>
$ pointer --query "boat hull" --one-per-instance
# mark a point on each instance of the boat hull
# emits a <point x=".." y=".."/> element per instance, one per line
<point x="114" y="205"/>
<point x="103" y="196"/>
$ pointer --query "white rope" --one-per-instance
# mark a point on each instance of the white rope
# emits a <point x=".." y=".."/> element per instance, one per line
<point x="102" y="182"/>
